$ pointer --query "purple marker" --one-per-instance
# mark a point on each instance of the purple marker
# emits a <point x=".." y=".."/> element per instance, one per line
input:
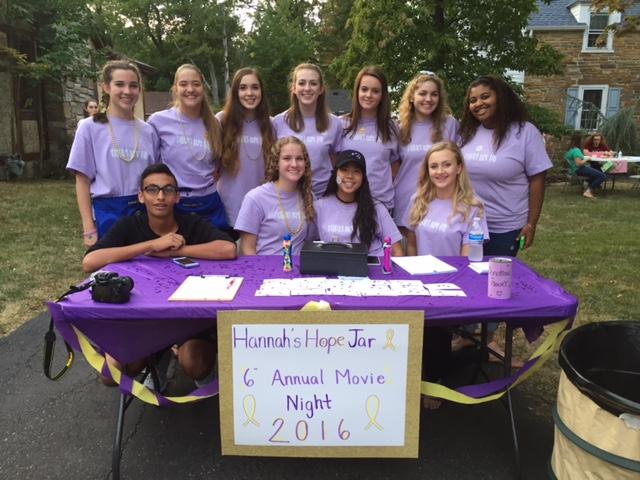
<point x="386" y="259"/>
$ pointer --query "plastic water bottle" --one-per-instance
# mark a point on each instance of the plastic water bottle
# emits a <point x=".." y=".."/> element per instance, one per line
<point x="476" y="239"/>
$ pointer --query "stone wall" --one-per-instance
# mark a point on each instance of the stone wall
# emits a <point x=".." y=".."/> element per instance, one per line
<point x="64" y="106"/>
<point x="620" y="68"/>
<point x="75" y="94"/>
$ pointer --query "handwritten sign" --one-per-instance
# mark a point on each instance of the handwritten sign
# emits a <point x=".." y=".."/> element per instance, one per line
<point x="320" y="383"/>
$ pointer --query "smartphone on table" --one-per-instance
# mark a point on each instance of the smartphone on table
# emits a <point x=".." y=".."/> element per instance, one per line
<point x="185" y="262"/>
<point x="373" y="260"/>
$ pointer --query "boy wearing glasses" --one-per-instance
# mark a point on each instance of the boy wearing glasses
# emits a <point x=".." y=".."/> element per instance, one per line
<point x="163" y="233"/>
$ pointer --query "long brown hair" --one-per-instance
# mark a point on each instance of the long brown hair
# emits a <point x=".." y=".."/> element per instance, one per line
<point x="463" y="198"/>
<point x="211" y="124"/>
<point x="233" y="116"/>
<point x="304" y="184"/>
<point x="588" y="144"/>
<point x="408" y="111"/>
<point x="293" y="115"/>
<point x="386" y="128"/>
<point x="510" y="109"/>
<point x="106" y="76"/>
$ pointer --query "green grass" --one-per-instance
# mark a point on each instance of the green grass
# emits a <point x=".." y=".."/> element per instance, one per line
<point x="591" y="248"/>
<point x="40" y="233"/>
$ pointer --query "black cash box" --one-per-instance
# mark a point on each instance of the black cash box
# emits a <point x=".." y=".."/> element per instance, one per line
<point x="334" y="258"/>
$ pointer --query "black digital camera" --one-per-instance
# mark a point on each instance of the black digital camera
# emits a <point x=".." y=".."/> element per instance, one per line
<point x="109" y="287"/>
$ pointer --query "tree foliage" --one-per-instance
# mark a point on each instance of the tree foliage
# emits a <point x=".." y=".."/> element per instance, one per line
<point x="61" y="33"/>
<point x="457" y="39"/>
<point x="168" y="33"/>
<point x="284" y="36"/>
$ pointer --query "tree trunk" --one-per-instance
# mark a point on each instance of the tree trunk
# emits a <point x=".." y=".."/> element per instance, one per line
<point x="440" y="59"/>
<point x="215" y="96"/>
<point x="225" y="46"/>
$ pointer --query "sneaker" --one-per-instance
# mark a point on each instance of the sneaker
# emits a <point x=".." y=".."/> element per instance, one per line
<point x="162" y="380"/>
<point x="587" y="193"/>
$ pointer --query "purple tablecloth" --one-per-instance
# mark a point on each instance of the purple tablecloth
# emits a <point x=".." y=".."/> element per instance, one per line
<point x="149" y="322"/>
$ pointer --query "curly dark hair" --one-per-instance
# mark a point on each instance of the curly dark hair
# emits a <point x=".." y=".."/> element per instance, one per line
<point x="510" y="109"/>
<point x="365" y="224"/>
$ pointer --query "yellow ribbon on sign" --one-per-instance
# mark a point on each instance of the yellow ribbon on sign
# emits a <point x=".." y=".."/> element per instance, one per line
<point x="250" y="410"/>
<point x="373" y="418"/>
<point x="541" y="355"/>
<point x="389" y="344"/>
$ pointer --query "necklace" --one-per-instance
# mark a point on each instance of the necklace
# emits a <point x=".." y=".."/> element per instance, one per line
<point x="118" y="149"/>
<point x="190" y="145"/>
<point x="284" y="215"/>
<point x="250" y="145"/>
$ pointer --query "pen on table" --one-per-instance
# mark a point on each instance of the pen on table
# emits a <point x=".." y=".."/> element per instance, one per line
<point x="522" y="241"/>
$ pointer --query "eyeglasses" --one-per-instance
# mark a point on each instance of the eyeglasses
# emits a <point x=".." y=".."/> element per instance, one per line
<point x="167" y="190"/>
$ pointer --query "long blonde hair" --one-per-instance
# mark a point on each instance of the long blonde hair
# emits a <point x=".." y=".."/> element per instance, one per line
<point x="464" y="198"/>
<point x="304" y="184"/>
<point x="211" y="124"/>
<point x="408" y="111"/>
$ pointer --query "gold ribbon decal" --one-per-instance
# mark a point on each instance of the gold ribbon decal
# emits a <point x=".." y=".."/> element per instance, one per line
<point x="389" y="344"/>
<point x="249" y="407"/>
<point x="373" y="418"/>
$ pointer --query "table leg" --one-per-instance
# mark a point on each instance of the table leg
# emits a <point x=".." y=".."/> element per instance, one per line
<point x="508" y="350"/>
<point x="116" y="454"/>
<point x="117" y="441"/>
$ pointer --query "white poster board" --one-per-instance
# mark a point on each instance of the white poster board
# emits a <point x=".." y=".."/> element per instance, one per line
<point x="320" y="383"/>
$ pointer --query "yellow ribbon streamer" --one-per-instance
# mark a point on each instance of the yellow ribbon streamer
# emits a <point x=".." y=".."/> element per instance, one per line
<point x="97" y="361"/>
<point x="250" y="411"/>
<point x="373" y="418"/>
<point x="542" y="354"/>
<point x="389" y="344"/>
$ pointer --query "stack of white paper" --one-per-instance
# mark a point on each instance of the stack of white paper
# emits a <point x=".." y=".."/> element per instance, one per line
<point x="423" y="265"/>
<point x="479" y="267"/>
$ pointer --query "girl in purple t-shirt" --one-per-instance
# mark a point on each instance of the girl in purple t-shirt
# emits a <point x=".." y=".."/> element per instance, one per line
<point x="370" y="130"/>
<point x="189" y="142"/>
<point x="425" y="119"/>
<point x="308" y="118"/>
<point x="443" y="208"/>
<point x="439" y="221"/>
<point x="110" y="151"/>
<point x="247" y="138"/>
<point x="347" y="213"/>
<point x="507" y="162"/>
<point x="283" y="205"/>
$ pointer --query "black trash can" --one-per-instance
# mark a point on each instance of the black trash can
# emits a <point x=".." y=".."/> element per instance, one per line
<point x="597" y="414"/>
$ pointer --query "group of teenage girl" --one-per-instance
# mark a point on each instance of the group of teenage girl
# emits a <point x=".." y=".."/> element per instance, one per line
<point x="313" y="175"/>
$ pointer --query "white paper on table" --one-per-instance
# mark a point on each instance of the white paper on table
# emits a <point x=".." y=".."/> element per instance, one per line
<point x="479" y="267"/>
<point x="441" y="286"/>
<point x="203" y="288"/>
<point x="447" y="293"/>
<point x="423" y="265"/>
